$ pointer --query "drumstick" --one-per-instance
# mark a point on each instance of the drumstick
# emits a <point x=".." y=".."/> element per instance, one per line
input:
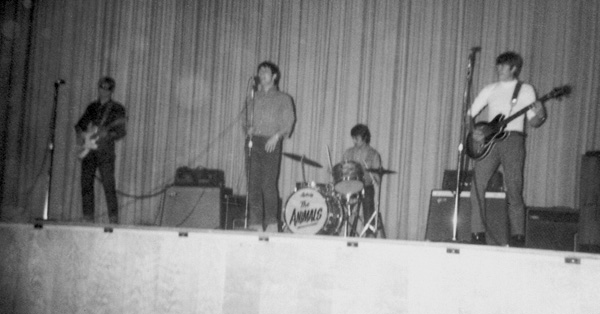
<point x="329" y="156"/>
<point x="370" y="173"/>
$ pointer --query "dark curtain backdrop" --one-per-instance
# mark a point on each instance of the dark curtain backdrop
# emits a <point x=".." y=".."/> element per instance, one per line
<point x="182" y="70"/>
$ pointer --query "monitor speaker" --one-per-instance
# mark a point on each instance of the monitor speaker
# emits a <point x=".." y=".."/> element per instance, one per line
<point x="192" y="207"/>
<point x="441" y="211"/>
<point x="553" y="228"/>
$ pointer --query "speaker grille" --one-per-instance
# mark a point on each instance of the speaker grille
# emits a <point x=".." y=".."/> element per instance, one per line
<point x="441" y="211"/>
<point x="193" y="207"/>
<point x="552" y="228"/>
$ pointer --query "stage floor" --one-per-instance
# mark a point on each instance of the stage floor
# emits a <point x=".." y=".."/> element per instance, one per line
<point x="74" y="268"/>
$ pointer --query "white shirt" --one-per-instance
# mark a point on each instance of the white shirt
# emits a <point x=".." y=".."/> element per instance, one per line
<point x="497" y="97"/>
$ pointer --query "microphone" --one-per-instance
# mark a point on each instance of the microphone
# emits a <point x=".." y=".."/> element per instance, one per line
<point x="476" y="49"/>
<point x="59" y="82"/>
<point x="255" y="82"/>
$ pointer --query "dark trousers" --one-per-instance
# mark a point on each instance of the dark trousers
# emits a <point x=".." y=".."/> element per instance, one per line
<point x="105" y="163"/>
<point x="263" y="192"/>
<point x="509" y="152"/>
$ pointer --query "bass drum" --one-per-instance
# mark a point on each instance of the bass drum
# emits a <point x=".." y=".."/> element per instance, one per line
<point x="307" y="211"/>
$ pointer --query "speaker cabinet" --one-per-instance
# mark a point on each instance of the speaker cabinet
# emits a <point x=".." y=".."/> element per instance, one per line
<point x="441" y="211"/>
<point x="552" y="228"/>
<point x="192" y="207"/>
<point x="234" y="207"/>
<point x="589" y="201"/>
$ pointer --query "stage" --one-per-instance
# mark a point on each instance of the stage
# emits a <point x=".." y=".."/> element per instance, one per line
<point x="77" y="268"/>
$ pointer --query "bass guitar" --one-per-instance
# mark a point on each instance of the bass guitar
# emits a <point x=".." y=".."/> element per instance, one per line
<point x="93" y="133"/>
<point x="493" y="131"/>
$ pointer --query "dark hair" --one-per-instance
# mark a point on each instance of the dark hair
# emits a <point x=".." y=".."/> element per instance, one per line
<point x="274" y="70"/>
<point x="511" y="58"/>
<point x="361" y="130"/>
<point x="107" y="80"/>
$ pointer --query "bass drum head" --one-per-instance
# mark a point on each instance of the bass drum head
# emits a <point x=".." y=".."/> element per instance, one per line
<point x="307" y="211"/>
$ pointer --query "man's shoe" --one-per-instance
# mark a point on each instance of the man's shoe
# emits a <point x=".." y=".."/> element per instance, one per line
<point x="478" y="238"/>
<point x="517" y="240"/>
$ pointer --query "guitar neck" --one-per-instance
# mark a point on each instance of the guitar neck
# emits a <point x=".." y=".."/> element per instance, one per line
<point x="555" y="93"/>
<point x="516" y="115"/>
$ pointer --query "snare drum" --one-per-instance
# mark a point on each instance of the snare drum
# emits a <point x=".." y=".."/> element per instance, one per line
<point x="348" y="177"/>
<point x="308" y="211"/>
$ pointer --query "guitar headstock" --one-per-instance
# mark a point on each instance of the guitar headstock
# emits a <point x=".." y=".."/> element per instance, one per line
<point x="557" y="92"/>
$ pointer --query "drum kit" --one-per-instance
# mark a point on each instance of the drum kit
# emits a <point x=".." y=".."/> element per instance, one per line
<point x="328" y="208"/>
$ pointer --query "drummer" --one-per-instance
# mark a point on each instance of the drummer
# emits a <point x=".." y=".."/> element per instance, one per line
<point x="368" y="158"/>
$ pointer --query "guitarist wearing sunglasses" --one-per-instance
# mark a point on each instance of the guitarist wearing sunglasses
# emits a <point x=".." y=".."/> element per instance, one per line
<point x="506" y="146"/>
<point x="102" y="124"/>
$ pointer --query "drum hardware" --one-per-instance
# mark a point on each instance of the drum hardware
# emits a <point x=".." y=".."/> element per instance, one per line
<point x="375" y="222"/>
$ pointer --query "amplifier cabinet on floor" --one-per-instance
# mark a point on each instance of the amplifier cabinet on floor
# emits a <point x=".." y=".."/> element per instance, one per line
<point x="234" y="210"/>
<point x="589" y="203"/>
<point x="441" y="211"/>
<point x="553" y="228"/>
<point x="192" y="207"/>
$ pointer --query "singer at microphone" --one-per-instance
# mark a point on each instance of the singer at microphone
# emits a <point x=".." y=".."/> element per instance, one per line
<point x="270" y="118"/>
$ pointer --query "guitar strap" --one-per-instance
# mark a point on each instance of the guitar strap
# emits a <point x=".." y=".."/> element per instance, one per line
<point x="515" y="95"/>
<point x="105" y="113"/>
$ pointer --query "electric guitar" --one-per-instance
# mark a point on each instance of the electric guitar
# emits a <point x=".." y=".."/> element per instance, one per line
<point x="494" y="130"/>
<point x="93" y="133"/>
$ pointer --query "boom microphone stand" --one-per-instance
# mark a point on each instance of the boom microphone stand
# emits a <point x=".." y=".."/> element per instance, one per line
<point x="462" y="161"/>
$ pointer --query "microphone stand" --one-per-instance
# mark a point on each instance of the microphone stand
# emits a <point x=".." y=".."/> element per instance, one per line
<point x="462" y="161"/>
<point x="249" y="157"/>
<point x="51" y="149"/>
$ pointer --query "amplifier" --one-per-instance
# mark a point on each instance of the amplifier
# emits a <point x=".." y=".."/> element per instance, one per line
<point x="441" y="211"/>
<point x="193" y="207"/>
<point x="496" y="183"/>
<point x="552" y="228"/>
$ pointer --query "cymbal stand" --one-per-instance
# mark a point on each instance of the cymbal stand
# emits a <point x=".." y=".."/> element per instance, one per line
<point x="376" y="216"/>
<point x="303" y="173"/>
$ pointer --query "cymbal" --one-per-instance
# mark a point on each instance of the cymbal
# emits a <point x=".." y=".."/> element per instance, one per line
<point x="380" y="171"/>
<point x="303" y="159"/>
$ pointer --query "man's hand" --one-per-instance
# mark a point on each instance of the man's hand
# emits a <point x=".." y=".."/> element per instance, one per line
<point x="272" y="143"/>
<point x="540" y="114"/>
<point x="538" y="108"/>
